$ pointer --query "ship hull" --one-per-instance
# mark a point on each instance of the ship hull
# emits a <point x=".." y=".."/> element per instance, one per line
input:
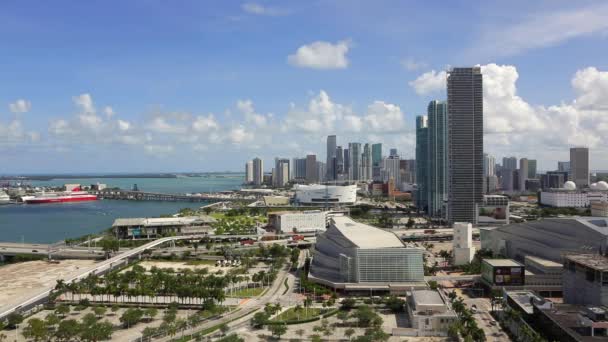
<point x="60" y="200"/>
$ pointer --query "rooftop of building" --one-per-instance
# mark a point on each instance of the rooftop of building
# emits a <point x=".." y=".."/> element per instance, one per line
<point x="543" y="262"/>
<point x="594" y="261"/>
<point x="568" y="316"/>
<point x="321" y="186"/>
<point x="502" y="263"/>
<point x="297" y="212"/>
<point x="365" y="236"/>
<point x="427" y="297"/>
<point x="163" y="221"/>
<point x="564" y="226"/>
<point x="523" y="300"/>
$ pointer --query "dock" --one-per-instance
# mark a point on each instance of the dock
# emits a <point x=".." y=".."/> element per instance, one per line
<point x="155" y="196"/>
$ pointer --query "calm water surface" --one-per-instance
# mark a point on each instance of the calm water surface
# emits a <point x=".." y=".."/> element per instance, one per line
<point x="48" y="223"/>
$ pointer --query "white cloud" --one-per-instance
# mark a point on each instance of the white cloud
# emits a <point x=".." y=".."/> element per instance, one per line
<point x="123" y="125"/>
<point x="384" y="117"/>
<point x="109" y="111"/>
<point x="412" y="65"/>
<point x="205" y="123"/>
<point x="85" y="103"/>
<point x="540" y="30"/>
<point x="429" y="82"/>
<point x="246" y="108"/>
<point x="20" y="106"/>
<point x="240" y="134"/>
<point x="321" y="55"/>
<point x="159" y="150"/>
<point x="161" y="124"/>
<point x="257" y="9"/>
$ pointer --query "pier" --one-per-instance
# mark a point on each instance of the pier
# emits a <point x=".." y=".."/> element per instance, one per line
<point x="154" y="196"/>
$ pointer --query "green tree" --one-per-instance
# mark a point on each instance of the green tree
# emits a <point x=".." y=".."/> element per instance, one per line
<point x="343" y="316"/>
<point x="97" y="331"/>
<point x="62" y="310"/>
<point x="259" y="319"/>
<point x="109" y="245"/>
<point x="67" y="330"/>
<point x="433" y="285"/>
<point x="99" y="311"/>
<point x="349" y="332"/>
<point x="131" y="317"/>
<point x="52" y="320"/>
<point x="151" y="313"/>
<point x="13" y="319"/>
<point x="395" y="304"/>
<point x="278" y="329"/>
<point x="348" y="303"/>
<point x="35" y="329"/>
<point x="231" y="338"/>
<point x="224" y="329"/>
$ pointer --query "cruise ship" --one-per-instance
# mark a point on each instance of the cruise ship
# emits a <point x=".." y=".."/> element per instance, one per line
<point x="76" y="195"/>
<point x="4" y="199"/>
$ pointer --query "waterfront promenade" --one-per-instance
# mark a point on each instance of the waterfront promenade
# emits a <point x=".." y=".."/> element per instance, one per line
<point x="155" y="196"/>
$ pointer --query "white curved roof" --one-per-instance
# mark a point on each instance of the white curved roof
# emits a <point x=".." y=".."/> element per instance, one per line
<point x="570" y="185"/>
<point x="365" y="236"/>
<point x="601" y="185"/>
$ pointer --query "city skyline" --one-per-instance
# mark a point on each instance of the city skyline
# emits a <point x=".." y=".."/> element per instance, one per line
<point x="87" y="108"/>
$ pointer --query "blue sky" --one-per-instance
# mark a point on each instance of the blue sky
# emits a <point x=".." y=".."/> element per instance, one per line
<point x="205" y="85"/>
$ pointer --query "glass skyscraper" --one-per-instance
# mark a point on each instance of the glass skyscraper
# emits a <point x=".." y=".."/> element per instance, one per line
<point x="422" y="161"/>
<point x="437" y="113"/>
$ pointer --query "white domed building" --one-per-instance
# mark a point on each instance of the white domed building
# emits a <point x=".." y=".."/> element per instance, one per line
<point x="571" y="197"/>
<point x="569" y="185"/>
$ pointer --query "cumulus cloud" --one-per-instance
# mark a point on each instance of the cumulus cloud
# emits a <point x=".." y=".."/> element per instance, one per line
<point x="429" y="82"/>
<point x="411" y="64"/>
<point x="543" y="29"/>
<point x="20" y="106"/>
<point x="321" y="55"/>
<point x="246" y="108"/>
<point x="13" y="133"/>
<point x="158" y="150"/>
<point x="258" y="9"/>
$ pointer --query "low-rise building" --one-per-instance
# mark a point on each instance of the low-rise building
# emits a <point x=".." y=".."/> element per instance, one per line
<point x="502" y="272"/>
<point x="136" y="228"/>
<point x="572" y="198"/>
<point x="599" y="209"/>
<point x="298" y="221"/>
<point x="586" y="279"/>
<point x="463" y="243"/>
<point x="429" y="313"/>
<point x="317" y="194"/>
<point x="571" y="323"/>
<point x="544" y="276"/>
<point x="276" y="201"/>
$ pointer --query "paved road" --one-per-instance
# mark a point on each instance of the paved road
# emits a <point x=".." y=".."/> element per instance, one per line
<point x="484" y="320"/>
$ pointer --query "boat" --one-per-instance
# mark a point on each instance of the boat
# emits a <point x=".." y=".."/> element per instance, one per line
<point x="75" y="195"/>
<point x="4" y="198"/>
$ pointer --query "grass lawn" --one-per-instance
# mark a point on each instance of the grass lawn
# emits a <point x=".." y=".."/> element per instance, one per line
<point x="200" y="262"/>
<point x="291" y="314"/>
<point x="249" y="292"/>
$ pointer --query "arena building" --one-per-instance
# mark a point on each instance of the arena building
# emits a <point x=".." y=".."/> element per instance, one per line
<point x="317" y="194"/>
<point x="355" y="256"/>
<point x="548" y="238"/>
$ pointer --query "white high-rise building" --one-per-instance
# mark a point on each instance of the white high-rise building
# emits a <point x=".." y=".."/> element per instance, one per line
<point x="249" y="172"/>
<point x="463" y="243"/>
<point x="489" y="165"/>
<point x="390" y="169"/>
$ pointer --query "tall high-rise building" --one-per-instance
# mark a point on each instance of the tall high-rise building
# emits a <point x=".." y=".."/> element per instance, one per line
<point x="258" y="171"/>
<point x="321" y="170"/>
<point x="339" y="164"/>
<point x="509" y="163"/>
<point x="354" y="171"/>
<point x="391" y="170"/>
<point x="346" y="163"/>
<point x="280" y="177"/>
<point x="563" y="166"/>
<point x="523" y="174"/>
<point x="437" y="113"/>
<point x="331" y="156"/>
<point x="579" y="166"/>
<point x="489" y="164"/>
<point x="465" y="144"/>
<point x="393" y="152"/>
<point x="376" y="161"/>
<point x="311" y="169"/>
<point x="249" y="172"/>
<point x="532" y="169"/>
<point x="299" y="168"/>
<point x="366" y="163"/>
<point x="422" y="161"/>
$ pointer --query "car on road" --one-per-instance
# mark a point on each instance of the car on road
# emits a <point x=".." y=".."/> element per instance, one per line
<point x="34" y="251"/>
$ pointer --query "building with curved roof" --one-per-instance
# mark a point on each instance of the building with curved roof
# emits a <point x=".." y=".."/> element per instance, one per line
<point x="350" y="252"/>
<point x="548" y="238"/>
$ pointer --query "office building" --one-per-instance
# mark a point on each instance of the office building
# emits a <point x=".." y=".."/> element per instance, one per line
<point x="532" y="169"/>
<point x="509" y="163"/>
<point x="346" y="163"/>
<point x="489" y="165"/>
<point x="331" y="156"/>
<point x="298" y="221"/>
<point x="352" y="254"/>
<point x="321" y="171"/>
<point x="407" y="168"/>
<point x="465" y="144"/>
<point x="391" y="170"/>
<point x="280" y="176"/>
<point x="393" y="152"/>
<point x="548" y="238"/>
<point x="354" y="171"/>
<point x="422" y="161"/>
<point x="376" y="161"/>
<point x="463" y="243"/>
<point x="437" y="114"/>
<point x="299" y="169"/>
<point x="312" y="169"/>
<point x="579" y="166"/>
<point x="599" y="209"/>
<point x="522" y="174"/>
<point x="502" y="272"/>
<point x="585" y="279"/>
<point x="563" y="166"/>
<point x="553" y="180"/>
<point x="320" y="195"/>
<point x="249" y="172"/>
<point x="136" y="228"/>
<point x="366" y="163"/>
<point x="258" y="171"/>
<point x="339" y="163"/>
<point x="429" y="313"/>
<point x="571" y="197"/>
<point x="507" y="180"/>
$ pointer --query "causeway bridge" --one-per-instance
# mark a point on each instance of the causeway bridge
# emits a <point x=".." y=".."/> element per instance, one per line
<point x="155" y="196"/>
